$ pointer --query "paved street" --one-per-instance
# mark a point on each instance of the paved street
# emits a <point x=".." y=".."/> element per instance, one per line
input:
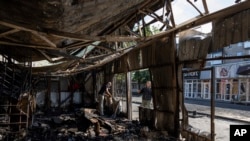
<point x="219" y="104"/>
<point x="224" y="109"/>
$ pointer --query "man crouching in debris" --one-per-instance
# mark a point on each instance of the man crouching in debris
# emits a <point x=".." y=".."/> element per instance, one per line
<point x="146" y="95"/>
<point x="104" y="91"/>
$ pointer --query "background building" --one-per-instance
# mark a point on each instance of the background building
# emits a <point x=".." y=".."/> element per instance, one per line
<point x="232" y="76"/>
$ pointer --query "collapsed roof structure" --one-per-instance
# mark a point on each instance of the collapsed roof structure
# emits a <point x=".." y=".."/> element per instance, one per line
<point x="68" y="37"/>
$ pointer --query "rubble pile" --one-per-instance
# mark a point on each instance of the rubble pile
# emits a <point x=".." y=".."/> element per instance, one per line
<point x="84" y="124"/>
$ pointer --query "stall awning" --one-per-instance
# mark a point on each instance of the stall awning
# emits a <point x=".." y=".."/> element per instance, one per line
<point x="244" y="70"/>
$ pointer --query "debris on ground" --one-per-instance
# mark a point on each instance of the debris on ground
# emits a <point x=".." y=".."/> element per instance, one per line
<point x="84" y="124"/>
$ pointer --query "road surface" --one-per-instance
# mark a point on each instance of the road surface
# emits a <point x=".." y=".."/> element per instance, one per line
<point x="225" y="109"/>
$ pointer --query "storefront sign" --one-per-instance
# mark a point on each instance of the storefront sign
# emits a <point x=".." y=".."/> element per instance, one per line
<point x="191" y="75"/>
<point x="227" y="71"/>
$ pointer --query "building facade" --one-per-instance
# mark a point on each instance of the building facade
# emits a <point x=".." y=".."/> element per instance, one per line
<point x="232" y="77"/>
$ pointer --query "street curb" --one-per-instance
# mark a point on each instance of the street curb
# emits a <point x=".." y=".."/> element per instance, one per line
<point x="221" y="117"/>
<point x="219" y="101"/>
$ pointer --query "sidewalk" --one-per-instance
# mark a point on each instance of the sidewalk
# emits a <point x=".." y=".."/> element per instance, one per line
<point x="220" y="101"/>
<point x="242" y="115"/>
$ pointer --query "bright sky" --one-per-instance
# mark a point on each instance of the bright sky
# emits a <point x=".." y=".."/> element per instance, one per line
<point x="183" y="11"/>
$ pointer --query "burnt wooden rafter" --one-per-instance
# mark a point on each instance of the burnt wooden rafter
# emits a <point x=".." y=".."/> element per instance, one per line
<point x="27" y="45"/>
<point x="77" y="45"/>
<point x="155" y="16"/>
<point x="143" y="26"/>
<point x="17" y="29"/>
<point x="204" y="2"/>
<point x="80" y="37"/>
<point x="129" y="18"/>
<point x="170" y="12"/>
<point x="8" y="32"/>
<point x="98" y="63"/>
<point x="45" y="55"/>
<point x="131" y="32"/>
<point x="44" y="39"/>
<point x="195" y="7"/>
<point x="67" y="35"/>
<point x="11" y="39"/>
<point x="51" y="45"/>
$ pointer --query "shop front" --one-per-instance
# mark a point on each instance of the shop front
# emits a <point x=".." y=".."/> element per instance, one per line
<point x="232" y="83"/>
<point x="192" y="84"/>
<point x="197" y="84"/>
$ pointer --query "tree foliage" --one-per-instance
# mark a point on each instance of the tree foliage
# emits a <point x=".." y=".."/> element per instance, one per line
<point x="141" y="76"/>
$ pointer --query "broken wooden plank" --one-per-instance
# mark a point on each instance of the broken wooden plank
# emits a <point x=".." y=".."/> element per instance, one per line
<point x="80" y="37"/>
<point x="195" y="7"/>
<point x="154" y="17"/>
<point x="27" y="45"/>
<point x="67" y="35"/>
<point x="204" y="2"/>
<point x="45" y="55"/>
<point x="44" y="38"/>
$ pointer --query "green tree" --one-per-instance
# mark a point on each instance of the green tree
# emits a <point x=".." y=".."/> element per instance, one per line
<point x="141" y="76"/>
<point x="151" y="30"/>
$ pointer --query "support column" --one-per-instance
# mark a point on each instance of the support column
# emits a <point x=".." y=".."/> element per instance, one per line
<point x="212" y="102"/>
<point x="113" y="87"/>
<point x="129" y="98"/>
<point x="59" y="93"/>
<point x="48" y="93"/>
<point x="94" y="88"/>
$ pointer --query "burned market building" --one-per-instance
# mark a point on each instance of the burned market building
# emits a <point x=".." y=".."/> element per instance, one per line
<point x="56" y="55"/>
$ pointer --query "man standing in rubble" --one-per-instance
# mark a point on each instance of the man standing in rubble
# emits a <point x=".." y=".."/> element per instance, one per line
<point x="104" y="91"/>
<point x="146" y="95"/>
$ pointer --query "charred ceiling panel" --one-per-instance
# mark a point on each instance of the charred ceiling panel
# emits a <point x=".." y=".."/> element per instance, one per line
<point x="57" y="28"/>
<point x="62" y="14"/>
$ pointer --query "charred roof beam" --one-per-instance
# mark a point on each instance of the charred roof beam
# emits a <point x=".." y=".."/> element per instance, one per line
<point x="195" y="7"/>
<point x="11" y="31"/>
<point x="67" y="35"/>
<point x="3" y="42"/>
<point x="50" y="43"/>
